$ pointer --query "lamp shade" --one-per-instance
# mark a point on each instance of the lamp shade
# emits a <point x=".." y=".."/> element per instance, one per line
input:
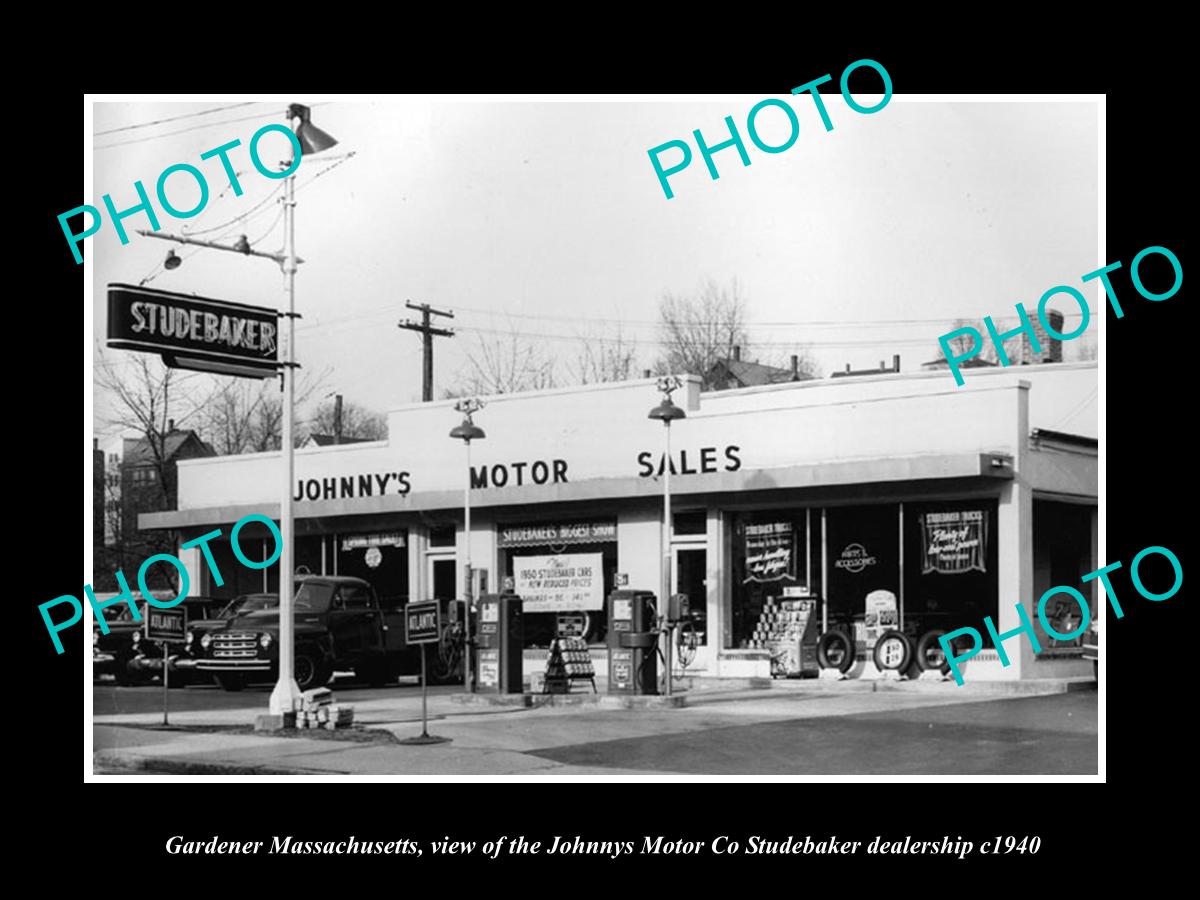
<point x="468" y="431"/>
<point x="666" y="412"/>
<point x="312" y="139"/>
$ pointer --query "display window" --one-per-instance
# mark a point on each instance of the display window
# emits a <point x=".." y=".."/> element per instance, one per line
<point x="380" y="559"/>
<point x="772" y="561"/>
<point x="560" y="568"/>
<point x="863" y="547"/>
<point x="950" y="562"/>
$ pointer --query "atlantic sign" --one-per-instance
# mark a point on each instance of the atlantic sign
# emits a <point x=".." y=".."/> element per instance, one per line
<point x="194" y="332"/>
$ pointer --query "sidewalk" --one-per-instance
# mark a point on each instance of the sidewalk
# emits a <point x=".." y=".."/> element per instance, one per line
<point x="489" y="740"/>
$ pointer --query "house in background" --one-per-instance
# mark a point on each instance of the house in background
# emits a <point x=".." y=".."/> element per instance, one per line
<point x="732" y="372"/>
<point x="149" y="483"/>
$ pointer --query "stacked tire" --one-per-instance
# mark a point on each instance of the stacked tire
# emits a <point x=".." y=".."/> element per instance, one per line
<point x="835" y="650"/>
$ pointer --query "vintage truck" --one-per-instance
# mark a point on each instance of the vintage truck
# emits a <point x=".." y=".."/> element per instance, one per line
<point x="339" y="625"/>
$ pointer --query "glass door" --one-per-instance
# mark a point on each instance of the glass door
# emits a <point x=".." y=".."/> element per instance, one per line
<point x="691" y="565"/>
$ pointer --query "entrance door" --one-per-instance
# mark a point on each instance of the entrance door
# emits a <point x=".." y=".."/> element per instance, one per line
<point x="442" y="577"/>
<point x="691" y="579"/>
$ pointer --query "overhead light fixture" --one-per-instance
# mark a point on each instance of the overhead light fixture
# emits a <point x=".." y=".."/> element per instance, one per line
<point x="312" y="139"/>
<point x="242" y="245"/>
<point x="172" y="261"/>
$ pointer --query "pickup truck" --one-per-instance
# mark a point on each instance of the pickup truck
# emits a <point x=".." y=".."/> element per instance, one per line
<point x="338" y="626"/>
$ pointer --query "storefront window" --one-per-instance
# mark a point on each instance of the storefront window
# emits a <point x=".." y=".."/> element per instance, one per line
<point x="863" y="545"/>
<point x="442" y="535"/>
<point x="690" y="523"/>
<point x="770" y="560"/>
<point x="1062" y="554"/>
<point x="560" y="567"/>
<point x="380" y="559"/>
<point x="950" y="560"/>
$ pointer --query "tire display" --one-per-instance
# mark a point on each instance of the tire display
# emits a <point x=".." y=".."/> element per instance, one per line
<point x="930" y="656"/>
<point x="893" y="650"/>
<point x="835" y="650"/>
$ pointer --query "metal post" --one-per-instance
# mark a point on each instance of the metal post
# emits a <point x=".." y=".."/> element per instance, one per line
<point x="286" y="692"/>
<point x="665" y="602"/>
<point x="424" y="694"/>
<point x="468" y="575"/>
<point x="166" y="649"/>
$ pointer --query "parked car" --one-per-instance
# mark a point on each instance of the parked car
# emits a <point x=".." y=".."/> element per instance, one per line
<point x="1091" y="647"/>
<point x="338" y="624"/>
<point x="128" y="657"/>
<point x="112" y="652"/>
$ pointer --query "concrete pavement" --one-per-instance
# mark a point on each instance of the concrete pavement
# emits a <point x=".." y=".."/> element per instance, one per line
<point x="806" y="728"/>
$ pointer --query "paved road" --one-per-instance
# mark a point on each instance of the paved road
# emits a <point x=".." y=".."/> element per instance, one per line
<point x="1054" y="735"/>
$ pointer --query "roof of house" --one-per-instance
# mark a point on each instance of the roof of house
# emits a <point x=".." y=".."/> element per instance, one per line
<point x="137" y="450"/>
<point x="328" y="440"/>
<point x="752" y="374"/>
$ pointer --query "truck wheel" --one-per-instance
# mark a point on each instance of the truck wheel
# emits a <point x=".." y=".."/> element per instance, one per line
<point x="835" y="650"/>
<point x="231" y="681"/>
<point x="893" y="650"/>
<point x="929" y="653"/>
<point x="304" y="669"/>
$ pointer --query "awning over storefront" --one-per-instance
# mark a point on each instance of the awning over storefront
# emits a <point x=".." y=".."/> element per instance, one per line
<point x="860" y="471"/>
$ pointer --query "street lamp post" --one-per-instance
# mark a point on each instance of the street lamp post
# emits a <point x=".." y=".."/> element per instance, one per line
<point x="667" y="412"/>
<point x="311" y="140"/>
<point x="467" y="432"/>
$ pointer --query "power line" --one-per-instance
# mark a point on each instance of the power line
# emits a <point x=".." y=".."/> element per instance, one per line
<point x="154" y="137"/>
<point x="844" y="323"/>
<point x="204" y="112"/>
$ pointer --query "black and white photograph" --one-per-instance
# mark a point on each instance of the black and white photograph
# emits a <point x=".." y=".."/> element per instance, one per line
<point x="615" y="437"/>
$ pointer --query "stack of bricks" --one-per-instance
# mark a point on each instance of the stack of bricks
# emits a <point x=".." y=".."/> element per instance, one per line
<point x="316" y="709"/>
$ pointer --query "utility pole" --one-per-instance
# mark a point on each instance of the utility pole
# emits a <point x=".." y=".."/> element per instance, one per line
<point x="337" y="419"/>
<point x="428" y="332"/>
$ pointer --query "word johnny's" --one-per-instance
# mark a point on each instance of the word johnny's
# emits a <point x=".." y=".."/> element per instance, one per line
<point x="947" y="640"/>
<point x="954" y="360"/>
<point x="735" y="139"/>
<point x="145" y="206"/>
<point x="126" y="596"/>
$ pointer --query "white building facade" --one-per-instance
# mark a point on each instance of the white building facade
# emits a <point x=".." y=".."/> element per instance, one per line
<point x="827" y="489"/>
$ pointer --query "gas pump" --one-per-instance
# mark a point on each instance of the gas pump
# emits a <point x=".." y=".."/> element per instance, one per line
<point x="499" y="641"/>
<point x="632" y="642"/>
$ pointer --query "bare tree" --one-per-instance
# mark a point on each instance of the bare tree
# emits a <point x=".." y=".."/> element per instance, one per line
<point x="963" y="343"/>
<point x="247" y="416"/>
<point x="505" y="363"/>
<point x="603" y="358"/>
<point x="697" y="331"/>
<point x="147" y="398"/>
<point x="807" y="366"/>
<point x="357" y="421"/>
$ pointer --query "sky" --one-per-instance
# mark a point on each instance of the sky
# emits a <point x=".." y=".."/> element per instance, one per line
<point x="547" y="218"/>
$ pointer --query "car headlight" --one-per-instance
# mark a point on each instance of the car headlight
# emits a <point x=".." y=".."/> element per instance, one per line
<point x="264" y="641"/>
<point x="136" y="638"/>
<point x="205" y="641"/>
<point x="187" y="641"/>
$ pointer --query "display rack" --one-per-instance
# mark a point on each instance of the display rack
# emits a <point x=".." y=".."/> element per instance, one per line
<point x="788" y="629"/>
<point x="567" y="662"/>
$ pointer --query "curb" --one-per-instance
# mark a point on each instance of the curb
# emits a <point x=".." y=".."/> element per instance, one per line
<point x="168" y="766"/>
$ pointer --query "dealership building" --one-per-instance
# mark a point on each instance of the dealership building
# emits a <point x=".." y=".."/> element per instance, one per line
<point x="959" y="501"/>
